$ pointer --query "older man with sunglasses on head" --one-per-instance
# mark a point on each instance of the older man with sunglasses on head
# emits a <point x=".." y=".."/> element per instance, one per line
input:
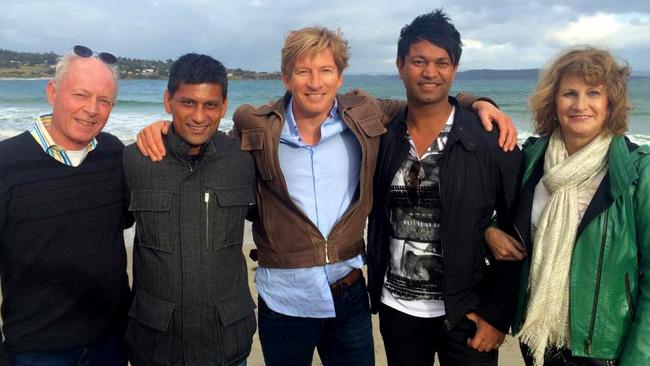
<point x="62" y="258"/>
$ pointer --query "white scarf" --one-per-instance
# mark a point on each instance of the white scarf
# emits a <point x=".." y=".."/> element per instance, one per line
<point x="547" y="315"/>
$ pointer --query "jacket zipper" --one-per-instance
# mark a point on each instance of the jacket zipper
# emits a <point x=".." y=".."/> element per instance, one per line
<point x="442" y="242"/>
<point x="327" y="257"/>
<point x="628" y="294"/>
<point x="354" y="204"/>
<point x="527" y="295"/>
<point x="597" y="290"/>
<point x="206" y="199"/>
<point x="275" y="154"/>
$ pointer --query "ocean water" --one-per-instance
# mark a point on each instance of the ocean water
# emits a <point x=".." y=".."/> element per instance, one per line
<point x="140" y="101"/>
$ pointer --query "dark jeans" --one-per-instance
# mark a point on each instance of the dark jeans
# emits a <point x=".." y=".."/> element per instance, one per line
<point x="107" y="352"/>
<point x="413" y="341"/>
<point x="344" y="340"/>
<point x="563" y="357"/>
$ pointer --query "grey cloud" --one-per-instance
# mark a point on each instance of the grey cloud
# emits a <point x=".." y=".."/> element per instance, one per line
<point x="249" y="34"/>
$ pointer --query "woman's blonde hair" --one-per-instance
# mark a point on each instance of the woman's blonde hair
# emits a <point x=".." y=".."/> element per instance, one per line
<point x="596" y="67"/>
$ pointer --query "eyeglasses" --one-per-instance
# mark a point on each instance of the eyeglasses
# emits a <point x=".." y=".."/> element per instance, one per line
<point x="83" y="51"/>
<point x="412" y="182"/>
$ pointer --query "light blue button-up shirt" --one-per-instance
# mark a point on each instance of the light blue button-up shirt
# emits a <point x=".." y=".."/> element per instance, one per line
<point x="322" y="181"/>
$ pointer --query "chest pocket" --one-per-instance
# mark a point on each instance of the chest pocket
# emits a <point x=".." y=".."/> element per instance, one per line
<point x="152" y="211"/>
<point x="252" y="140"/>
<point x="225" y="215"/>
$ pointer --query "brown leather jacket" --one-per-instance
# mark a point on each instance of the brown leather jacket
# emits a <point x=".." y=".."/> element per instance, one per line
<point x="284" y="235"/>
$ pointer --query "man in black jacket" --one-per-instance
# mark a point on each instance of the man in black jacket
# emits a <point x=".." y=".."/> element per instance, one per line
<point x="439" y="178"/>
<point x="192" y="304"/>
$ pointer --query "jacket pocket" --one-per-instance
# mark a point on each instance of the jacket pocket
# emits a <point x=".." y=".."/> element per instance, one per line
<point x="149" y="333"/>
<point x="252" y="140"/>
<point x="371" y="126"/>
<point x="233" y="327"/>
<point x="226" y="215"/>
<point x="152" y="211"/>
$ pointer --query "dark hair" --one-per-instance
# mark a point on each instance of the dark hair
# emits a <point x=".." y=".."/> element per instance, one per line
<point x="193" y="68"/>
<point x="434" y="27"/>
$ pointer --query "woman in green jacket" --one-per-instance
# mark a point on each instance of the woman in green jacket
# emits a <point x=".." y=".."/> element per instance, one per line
<point x="584" y="220"/>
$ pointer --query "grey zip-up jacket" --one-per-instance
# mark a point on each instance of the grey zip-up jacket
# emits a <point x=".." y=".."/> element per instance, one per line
<point x="192" y="304"/>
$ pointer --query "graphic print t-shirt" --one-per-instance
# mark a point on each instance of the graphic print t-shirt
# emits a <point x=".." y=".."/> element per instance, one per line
<point x="414" y="278"/>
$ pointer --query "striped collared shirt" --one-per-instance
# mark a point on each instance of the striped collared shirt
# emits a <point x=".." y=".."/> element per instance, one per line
<point x="43" y="138"/>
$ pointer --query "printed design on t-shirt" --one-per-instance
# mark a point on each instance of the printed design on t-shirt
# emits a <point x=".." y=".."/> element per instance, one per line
<point x="415" y="268"/>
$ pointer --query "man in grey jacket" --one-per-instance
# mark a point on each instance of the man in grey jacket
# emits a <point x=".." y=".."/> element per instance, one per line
<point x="192" y="305"/>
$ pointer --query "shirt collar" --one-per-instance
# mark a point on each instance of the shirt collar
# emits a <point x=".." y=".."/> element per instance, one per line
<point x="46" y="142"/>
<point x="292" y="128"/>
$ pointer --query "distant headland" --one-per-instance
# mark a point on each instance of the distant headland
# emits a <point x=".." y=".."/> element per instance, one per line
<point x="27" y="65"/>
<point x="30" y="65"/>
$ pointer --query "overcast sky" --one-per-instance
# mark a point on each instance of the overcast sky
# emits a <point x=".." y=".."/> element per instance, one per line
<point x="500" y="34"/>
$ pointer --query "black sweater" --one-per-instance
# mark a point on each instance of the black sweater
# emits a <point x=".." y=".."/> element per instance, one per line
<point x="62" y="256"/>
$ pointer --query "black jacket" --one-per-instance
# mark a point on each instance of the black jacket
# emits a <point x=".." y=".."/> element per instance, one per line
<point x="192" y="304"/>
<point x="476" y="178"/>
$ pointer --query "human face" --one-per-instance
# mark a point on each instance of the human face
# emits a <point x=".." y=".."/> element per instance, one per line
<point x="427" y="73"/>
<point x="313" y="83"/>
<point x="581" y="110"/>
<point x="196" y="111"/>
<point x="81" y="103"/>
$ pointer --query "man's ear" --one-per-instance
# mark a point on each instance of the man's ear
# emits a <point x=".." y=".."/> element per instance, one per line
<point x="225" y="108"/>
<point x="50" y="91"/>
<point x="399" y="63"/>
<point x="285" y="81"/>
<point x="167" y="101"/>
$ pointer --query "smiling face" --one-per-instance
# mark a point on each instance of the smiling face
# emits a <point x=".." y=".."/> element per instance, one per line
<point x="196" y="111"/>
<point x="427" y="73"/>
<point x="313" y="83"/>
<point x="81" y="103"/>
<point x="581" y="109"/>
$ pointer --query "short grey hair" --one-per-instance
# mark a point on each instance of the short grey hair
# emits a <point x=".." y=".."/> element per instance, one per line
<point x="63" y="66"/>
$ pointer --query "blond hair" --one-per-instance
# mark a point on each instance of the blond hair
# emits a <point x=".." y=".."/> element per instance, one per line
<point x="596" y="67"/>
<point x="311" y="41"/>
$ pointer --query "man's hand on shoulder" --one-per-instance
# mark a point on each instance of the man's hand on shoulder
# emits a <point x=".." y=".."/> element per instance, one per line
<point x="150" y="142"/>
<point x="491" y="114"/>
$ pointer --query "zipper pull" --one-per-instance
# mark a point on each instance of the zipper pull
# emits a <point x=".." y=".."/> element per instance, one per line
<point x="588" y="348"/>
<point x="327" y="257"/>
<point x="206" y="199"/>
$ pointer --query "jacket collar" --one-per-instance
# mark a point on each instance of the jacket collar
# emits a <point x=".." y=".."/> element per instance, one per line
<point x="620" y="162"/>
<point x="466" y="128"/>
<point x="180" y="149"/>
<point x="621" y="165"/>
<point x="620" y="175"/>
<point x="345" y="101"/>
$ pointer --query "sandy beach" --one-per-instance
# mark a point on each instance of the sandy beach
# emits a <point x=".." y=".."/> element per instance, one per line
<point x="509" y="354"/>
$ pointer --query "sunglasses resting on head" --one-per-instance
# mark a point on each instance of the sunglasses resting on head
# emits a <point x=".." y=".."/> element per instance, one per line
<point x="83" y="51"/>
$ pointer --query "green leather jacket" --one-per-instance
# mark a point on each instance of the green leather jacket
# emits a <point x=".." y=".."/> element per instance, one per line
<point x="610" y="269"/>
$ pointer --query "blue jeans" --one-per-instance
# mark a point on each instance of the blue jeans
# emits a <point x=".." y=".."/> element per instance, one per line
<point x="107" y="352"/>
<point x="344" y="340"/>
